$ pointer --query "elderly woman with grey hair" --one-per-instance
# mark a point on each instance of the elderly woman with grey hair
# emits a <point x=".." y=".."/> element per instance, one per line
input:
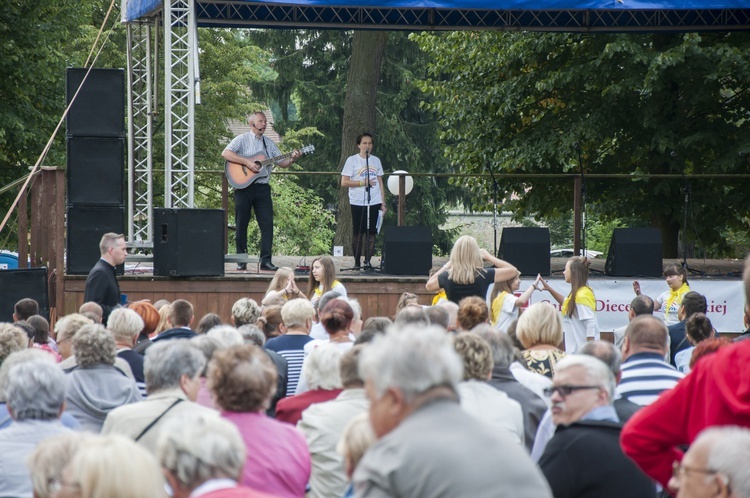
<point x="95" y="386"/>
<point x="321" y="371"/>
<point x="35" y="392"/>
<point x="173" y="372"/>
<point x="198" y="452"/>
<point x="243" y="381"/>
<point x="126" y="325"/>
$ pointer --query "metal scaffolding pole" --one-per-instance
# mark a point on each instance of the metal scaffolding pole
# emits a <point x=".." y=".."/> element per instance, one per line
<point x="180" y="47"/>
<point x="140" y="132"/>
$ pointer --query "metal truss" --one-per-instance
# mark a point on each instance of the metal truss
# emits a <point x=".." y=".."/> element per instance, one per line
<point x="180" y="47"/>
<point x="234" y="13"/>
<point x="140" y="131"/>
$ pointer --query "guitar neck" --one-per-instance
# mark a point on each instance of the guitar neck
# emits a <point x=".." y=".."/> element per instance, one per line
<point x="273" y="160"/>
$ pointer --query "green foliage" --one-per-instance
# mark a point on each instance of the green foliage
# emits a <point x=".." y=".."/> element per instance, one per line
<point x="519" y="102"/>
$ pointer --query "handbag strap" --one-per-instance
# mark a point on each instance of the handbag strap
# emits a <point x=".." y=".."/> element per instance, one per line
<point x="156" y="420"/>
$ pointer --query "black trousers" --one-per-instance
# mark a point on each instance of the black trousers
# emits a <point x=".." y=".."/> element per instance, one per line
<point x="359" y="218"/>
<point x="258" y="197"/>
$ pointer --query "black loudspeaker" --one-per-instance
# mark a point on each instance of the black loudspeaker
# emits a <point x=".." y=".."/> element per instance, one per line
<point x="526" y="248"/>
<point x="86" y="225"/>
<point x="20" y="284"/>
<point x="96" y="170"/>
<point x="189" y="242"/>
<point x="408" y="250"/>
<point x="99" y="107"/>
<point x="634" y="252"/>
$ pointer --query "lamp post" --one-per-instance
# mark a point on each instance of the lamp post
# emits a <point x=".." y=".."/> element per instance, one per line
<point x="400" y="184"/>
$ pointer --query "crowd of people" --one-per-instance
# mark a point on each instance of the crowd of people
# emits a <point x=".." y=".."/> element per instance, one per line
<point x="474" y="394"/>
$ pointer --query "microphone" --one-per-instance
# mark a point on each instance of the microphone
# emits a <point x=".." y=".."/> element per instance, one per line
<point x="673" y="154"/>
<point x="367" y="152"/>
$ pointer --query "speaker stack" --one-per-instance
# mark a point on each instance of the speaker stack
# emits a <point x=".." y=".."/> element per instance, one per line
<point x="634" y="252"/>
<point x="95" y="163"/>
<point x="408" y="250"/>
<point x="526" y="248"/>
<point x="188" y="242"/>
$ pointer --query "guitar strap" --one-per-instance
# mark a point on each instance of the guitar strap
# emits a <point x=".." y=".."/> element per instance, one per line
<point x="265" y="149"/>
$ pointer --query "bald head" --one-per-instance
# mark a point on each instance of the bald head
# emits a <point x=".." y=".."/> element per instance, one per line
<point x="641" y="305"/>
<point x="645" y="333"/>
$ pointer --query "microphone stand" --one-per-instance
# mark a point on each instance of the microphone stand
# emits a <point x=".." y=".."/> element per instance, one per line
<point x="495" y="188"/>
<point x="685" y="208"/>
<point x="367" y="266"/>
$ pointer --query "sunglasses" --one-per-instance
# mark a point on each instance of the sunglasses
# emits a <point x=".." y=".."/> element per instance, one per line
<point x="566" y="390"/>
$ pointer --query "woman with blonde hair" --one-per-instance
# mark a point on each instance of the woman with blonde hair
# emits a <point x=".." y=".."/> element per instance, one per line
<point x="464" y="275"/>
<point x="356" y="439"/>
<point x="282" y="288"/>
<point x="579" y="308"/>
<point x="112" y="465"/>
<point x="323" y="279"/>
<point x="540" y="331"/>
<point x="504" y="303"/>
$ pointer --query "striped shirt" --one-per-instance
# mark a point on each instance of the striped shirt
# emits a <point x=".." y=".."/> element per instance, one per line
<point x="645" y="376"/>
<point x="249" y="144"/>
<point x="291" y="347"/>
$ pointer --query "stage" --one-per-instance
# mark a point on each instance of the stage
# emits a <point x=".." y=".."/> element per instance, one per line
<point x="378" y="293"/>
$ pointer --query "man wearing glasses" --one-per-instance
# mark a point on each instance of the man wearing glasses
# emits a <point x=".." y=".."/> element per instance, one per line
<point x="714" y="466"/>
<point x="584" y="458"/>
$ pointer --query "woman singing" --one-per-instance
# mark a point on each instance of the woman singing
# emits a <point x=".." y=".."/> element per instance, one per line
<point x="361" y="170"/>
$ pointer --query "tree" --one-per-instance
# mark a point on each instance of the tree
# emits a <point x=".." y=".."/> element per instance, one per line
<point x="521" y="101"/>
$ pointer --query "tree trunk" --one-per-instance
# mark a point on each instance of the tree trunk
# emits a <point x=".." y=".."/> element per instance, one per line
<point x="366" y="61"/>
<point x="669" y="235"/>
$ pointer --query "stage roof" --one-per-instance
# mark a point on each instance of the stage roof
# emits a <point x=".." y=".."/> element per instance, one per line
<point x="532" y="15"/>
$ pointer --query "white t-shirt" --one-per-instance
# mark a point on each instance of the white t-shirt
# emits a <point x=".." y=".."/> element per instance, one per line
<point x="581" y="325"/>
<point x="355" y="169"/>
<point x="508" y="312"/>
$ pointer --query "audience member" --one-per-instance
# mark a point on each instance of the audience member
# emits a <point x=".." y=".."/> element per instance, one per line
<point x="318" y="331"/>
<point x="540" y="332"/>
<point x="534" y="381"/>
<point x="714" y="466"/>
<point x="323" y="425"/>
<point x="270" y="321"/>
<point x="692" y="303"/>
<point x="173" y="372"/>
<point x="411" y="378"/>
<point x="412" y="315"/>
<point x="532" y="406"/>
<point x="92" y="311"/>
<point x="452" y="309"/>
<point x="243" y="381"/>
<point x="698" y="328"/>
<point x="49" y="459"/>
<point x="297" y="316"/>
<point x="151" y="320"/>
<point x="12" y="339"/>
<point x="180" y="318"/>
<point x="477" y="397"/>
<point x="112" y="465"/>
<point x="35" y="394"/>
<point x="95" y="386"/>
<point x="245" y="311"/>
<point x="645" y="373"/>
<point x="251" y="334"/>
<point x="322" y="378"/>
<point x="406" y="299"/>
<point x="640" y="305"/>
<point x="25" y="308"/>
<point x="356" y="439"/>
<point x="438" y="316"/>
<point x="472" y="311"/>
<point x="709" y="346"/>
<point x="203" y="456"/>
<point x="584" y="457"/>
<point x="41" y="339"/>
<point x="209" y="321"/>
<point x="356" y="327"/>
<point x="125" y="326"/>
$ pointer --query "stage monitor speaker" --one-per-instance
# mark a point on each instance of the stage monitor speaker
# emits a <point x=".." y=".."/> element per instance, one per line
<point x="20" y="284"/>
<point x="526" y="248"/>
<point x="96" y="171"/>
<point x="407" y="250"/>
<point x="86" y="225"/>
<point x="634" y="252"/>
<point x="188" y="242"/>
<point x="99" y="107"/>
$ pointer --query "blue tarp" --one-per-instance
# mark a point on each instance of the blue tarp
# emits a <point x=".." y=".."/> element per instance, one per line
<point x="681" y="14"/>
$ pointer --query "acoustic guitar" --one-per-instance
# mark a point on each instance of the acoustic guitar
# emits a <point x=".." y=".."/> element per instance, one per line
<point x="241" y="176"/>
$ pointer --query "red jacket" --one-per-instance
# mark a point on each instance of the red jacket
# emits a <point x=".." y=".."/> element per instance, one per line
<point x="716" y="392"/>
<point x="290" y="409"/>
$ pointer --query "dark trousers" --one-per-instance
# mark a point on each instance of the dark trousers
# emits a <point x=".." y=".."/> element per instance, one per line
<point x="359" y="218"/>
<point x="257" y="197"/>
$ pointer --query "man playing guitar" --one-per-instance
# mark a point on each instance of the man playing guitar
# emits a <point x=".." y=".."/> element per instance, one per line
<point x="257" y="195"/>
